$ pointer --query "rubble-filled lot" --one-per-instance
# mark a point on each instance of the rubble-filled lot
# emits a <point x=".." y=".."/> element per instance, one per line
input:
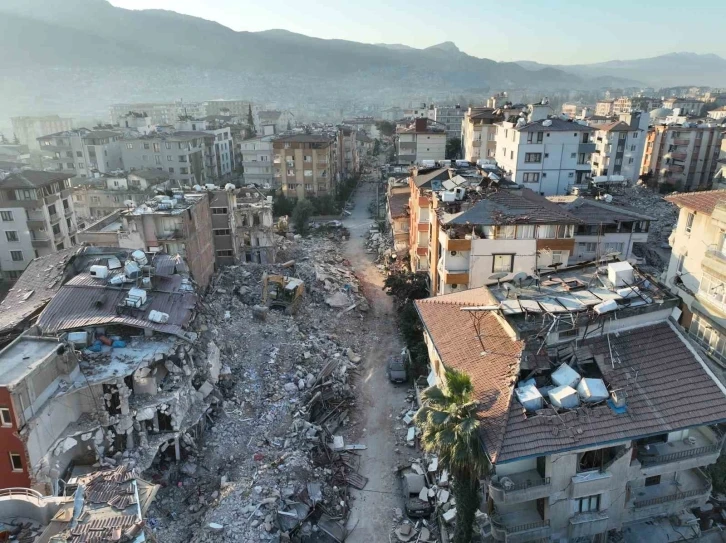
<point x="278" y="457"/>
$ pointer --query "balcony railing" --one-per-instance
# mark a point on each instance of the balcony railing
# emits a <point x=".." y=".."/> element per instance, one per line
<point x="54" y="217"/>
<point x="681" y="142"/>
<point x="653" y="460"/>
<point x="514" y="529"/>
<point x="511" y="487"/>
<point x="68" y="211"/>
<point x="672" y="497"/>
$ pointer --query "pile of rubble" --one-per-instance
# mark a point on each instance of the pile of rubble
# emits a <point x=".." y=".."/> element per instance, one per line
<point x="657" y="251"/>
<point x="274" y="466"/>
<point x="380" y="244"/>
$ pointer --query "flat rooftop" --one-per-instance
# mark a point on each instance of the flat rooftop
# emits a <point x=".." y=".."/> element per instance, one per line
<point x="23" y="355"/>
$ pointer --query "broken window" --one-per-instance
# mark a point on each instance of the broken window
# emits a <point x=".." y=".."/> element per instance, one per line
<point x="112" y="399"/>
<point x="599" y="459"/>
<point x="165" y="422"/>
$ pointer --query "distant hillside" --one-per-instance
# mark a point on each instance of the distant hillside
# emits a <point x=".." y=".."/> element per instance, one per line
<point x="673" y="69"/>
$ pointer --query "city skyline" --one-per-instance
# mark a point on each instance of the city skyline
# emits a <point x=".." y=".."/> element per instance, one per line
<point x="505" y="35"/>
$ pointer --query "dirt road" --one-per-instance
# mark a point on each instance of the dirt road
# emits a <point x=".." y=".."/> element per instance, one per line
<point x="373" y="510"/>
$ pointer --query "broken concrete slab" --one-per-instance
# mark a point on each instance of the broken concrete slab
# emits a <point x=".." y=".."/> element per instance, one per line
<point x="338" y="300"/>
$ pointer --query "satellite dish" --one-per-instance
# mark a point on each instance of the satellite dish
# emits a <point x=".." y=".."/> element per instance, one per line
<point x="498" y="277"/>
<point x="518" y="278"/>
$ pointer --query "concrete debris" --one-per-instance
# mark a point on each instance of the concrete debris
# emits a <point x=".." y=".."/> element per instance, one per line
<point x="272" y="464"/>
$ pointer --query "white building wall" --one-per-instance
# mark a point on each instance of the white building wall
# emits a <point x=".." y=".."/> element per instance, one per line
<point x="430" y="147"/>
<point x="24" y="244"/>
<point x="482" y="258"/>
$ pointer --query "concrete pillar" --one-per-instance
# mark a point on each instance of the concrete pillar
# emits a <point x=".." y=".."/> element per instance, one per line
<point x="177" y="451"/>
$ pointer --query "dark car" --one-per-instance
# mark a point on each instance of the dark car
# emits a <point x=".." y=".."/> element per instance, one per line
<point x="412" y="483"/>
<point x="397" y="368"/>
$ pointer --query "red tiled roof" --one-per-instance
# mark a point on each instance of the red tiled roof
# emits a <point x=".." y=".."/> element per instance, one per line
<point x="492" y="365"/>
<point x="701" y="202"/>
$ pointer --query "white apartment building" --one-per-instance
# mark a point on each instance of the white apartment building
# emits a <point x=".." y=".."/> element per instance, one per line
<point x="450" y="117"/>
<point x="37" y="217"/>
<point x="218" y="147"/>
<point x="180" y="154"/>
<point x="478" y="133"/>
<point x="686" y="105"/>
<point x="255" y="155"/>
<point x="29" y="129"/>
<point x="697" y="268"/>
<point x="619" y="146"/>
<point x="545" y="155"/>
<point x="418" y="142"/>
<point x="82" y="152"/>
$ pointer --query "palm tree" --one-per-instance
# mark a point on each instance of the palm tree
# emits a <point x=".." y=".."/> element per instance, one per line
<point x="450" y="429"/>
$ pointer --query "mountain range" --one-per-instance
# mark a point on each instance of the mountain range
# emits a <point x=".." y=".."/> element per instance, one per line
<point x="82" y="55"/>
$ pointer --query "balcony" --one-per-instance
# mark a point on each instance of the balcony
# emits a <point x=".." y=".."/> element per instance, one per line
<point x="35" y="221"/>
<point x="68" y="211"/>
<point x="700" y="448"/>
<point x="449" y="244"/>
<point x="39" y="239"/>
<point x="681" y="142"/>
<point x="519" y="487"/>
<point x="678" y="156"/>
<point x="588" y="524"/>
<point x="54" y="217"/>
<point x="589" y="483"/>
<point x="586" y="148"/>
<point x="519" y="524"/>
<point x="58" y="237"/>
<point x="683" y="489"/>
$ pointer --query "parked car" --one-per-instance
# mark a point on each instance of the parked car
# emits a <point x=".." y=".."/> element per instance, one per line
<point x="397" y="368"/>
<point x="412" y="483"/>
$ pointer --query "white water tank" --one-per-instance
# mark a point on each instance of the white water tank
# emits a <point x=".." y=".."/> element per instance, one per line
<point x="139" y="257"/>
<point x="565" y="397"/>
<point x="99" y="272"/>
<point x="565" y="376"/>
<point x="158" y="316"/>
<point x="592" y="390"/>
<point x="620" y="274"/>
<point x="605" y="307"/>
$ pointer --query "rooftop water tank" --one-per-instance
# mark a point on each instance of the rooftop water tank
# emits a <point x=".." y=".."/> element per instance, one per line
<point x="592" y="390"/>
<point x="620" y="274"/>
<point x="99" y="272"/>
<point x="565" y="397"/>
<point x="132" y="270"/>
<point x="529" y="397"/>
<point x="139" y="257"/>
<point x="565" y="376"/>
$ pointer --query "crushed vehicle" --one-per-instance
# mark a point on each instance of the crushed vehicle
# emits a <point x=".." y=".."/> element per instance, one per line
<point x="397" y="367"/>
<point x="414" y="485"/>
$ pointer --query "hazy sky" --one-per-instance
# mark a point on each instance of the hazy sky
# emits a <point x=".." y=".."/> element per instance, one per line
<point x="556" y="32"/>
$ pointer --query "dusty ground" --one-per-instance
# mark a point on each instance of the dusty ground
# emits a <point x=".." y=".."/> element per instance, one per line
<point x="379" y="400"/>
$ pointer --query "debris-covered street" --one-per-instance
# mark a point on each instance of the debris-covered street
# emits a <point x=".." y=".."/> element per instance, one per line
<point x="268" y="465"/>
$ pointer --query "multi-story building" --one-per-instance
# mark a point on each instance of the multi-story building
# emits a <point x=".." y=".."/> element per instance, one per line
<point x="180" y="154"/>
<point x="29" y="129"/>
<point x="255" y="155"/>
<point x="159" y="113"/>
<point x="364" y="124"/>
<point x="478" y="133"/>
<point x="38" y="217"/>
<point x="218" y="146"/>
<point x="630" y="104"/>
<point x="234" y="108"/>
<point x="281" y="120"/>
<point x="254" y="227"/>
<point x="683" y="156"/>
<point x="481" y="238"/>
<point x="592" y="420"/>
<point x="420" y="140"/>
<point x="420" y="182"/>
<point x="397" y="208"/>
<point x="305" y="164"/>
<point x="573" y="110"/>
<point x="545" y="155"/>
<point x="697" y="268"/>
<point x="96" y="197"/>
<point x="604" y="231"/>
<point x="450" y="117"/>
<point x="179" y="225"/>
<point x="605" y="108"/>
<point x="347" y="151"/>
<point x="687" y="106"/>
<point x="718" y="114"/>
<point x="619" y="146"/>
<point x="64" y="152"/>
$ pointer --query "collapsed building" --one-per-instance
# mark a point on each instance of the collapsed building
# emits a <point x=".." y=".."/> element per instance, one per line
<point x="597" y="411"/>
<point x="109" y="373"/>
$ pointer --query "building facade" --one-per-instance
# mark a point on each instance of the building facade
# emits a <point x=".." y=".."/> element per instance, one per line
<point x="619" y="147"/>
<point x="38" y="217"/>
<point x="687" y="106"/>
<point x="305" y="165"/>
<point x="180" y="154"/>
<point x="418" y="142"/>
<point x="605" y="108"/>
<point x="83" y="152"/>
<point x="683" y="156"/>
<point x="29" y="129"/>
<point x="255" y="155"/>
<point x="547" y="155"/>
<point x="450" y="117"/>
<point x="478" y="133"/>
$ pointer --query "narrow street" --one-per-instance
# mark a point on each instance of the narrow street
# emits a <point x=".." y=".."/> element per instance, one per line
<point x="381" y="401"/>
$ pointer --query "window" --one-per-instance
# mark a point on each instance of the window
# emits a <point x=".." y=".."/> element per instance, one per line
<point x="7" y="216"/>
<point x="227" y="252"/>
<point x="184" y="171"/>
<point x="503" y="263"/>
<point x="652" y="481"/>
<point x="79" y="154"/>
<point x="546" y="231"/>
<point x="147" y="146"/>
<point x="95" y="199"/>
<point x="613" y="248"/>
<point x="14" y="274"/>
<point x="531" y="177"/>
<point x="169" y="158"/>
<point x="51" y="210"/>
<point x="157" y="159"/>
<point x="588" y="504"/>
<point x="56" y="229"/>
<point x="71" y="166"/>
<point x="80" y="165"/>
<point x="308" y="158"/>
<point x="532" y="139"/>
<point x="17" y="256"/>
<point x="12" y="235"/>
<point x="221" y="231"/>
<point x="167" y="145"/>
<point x="533" y="157"/>
<point x="219" y="211"/>
<point x="182" y="158"/>
<point x="618" y="161"/>
<point x="156" y="148"/>
<point x="571" y="174"/>
<point x="525" y="231"/>
<point x="25" y="194"/>
<point x="307" y="173"/>
<point x="5" y="418"/>
<point x="144" y="157"/>
<point x="129" y="146"/>
<point x="557" y="257"/>
<point x="506" y="232"/>
<point x="171" y="170"/>
<point x="588" y="247"/>
<point x="635" y="134"/>
<point x="65" y="204"/>
<point x="632" y="147"/>
<point x="689" y="222"/>
<point x="573" y="155"/>
<point x="16" y="462"/>
<point x="565" y="231"/>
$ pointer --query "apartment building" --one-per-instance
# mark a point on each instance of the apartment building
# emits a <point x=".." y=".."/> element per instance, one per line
<point x="687" y="106"/>
<point x="420" y="183"/>
<point x="254" y="226"/>
<point x="397" y="209"/>
<point x="420" y="140"/>
<point x="159" y="113"/>
<point x="546" y="155"/>
<point x="281" y="120"/>
<point x="64" y="152"/>
<point x="179" y="153"/>
<point x="305" y="164"/>
<point x="619" y="146"/>
<point x="604" y="231"/>
<point x="478" y="133"/>
<point x="38" y="217"/>
<point x="347" y="152"/>
<point x="683" y="156"/>
<point x="630" y="104"/>
<point x="450" y="118"/>
<point x="96" y="197"/>
<point x="218" y="146"/>
<point x="482" y="238"/>
<point x="255" y="156"/>
<point x="364" y="124"/>
<point x="179" y="225"/>
<point x="605" y="108"/>
<point x="592" y="420"/>
<point x="717" y="114"/>
<point x="29" y="129"/>
<point x="697" y="268"/>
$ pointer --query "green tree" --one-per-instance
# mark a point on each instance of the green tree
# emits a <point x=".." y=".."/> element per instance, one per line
<point x="376" y="146"/>
<point x="289" y="125"/>
<point x="453" y="148"/>
<point x="387" y="128"/>
<point x="406" y="287"/>
<point x="301" y="215"/>
<point x="282" y="205"/>
<point x="450" y="429"/>
<point x="251" y="130"/>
